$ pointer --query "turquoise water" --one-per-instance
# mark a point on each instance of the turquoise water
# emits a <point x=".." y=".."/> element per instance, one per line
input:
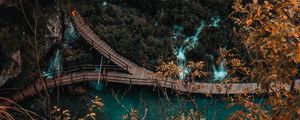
<point x="141" y="98"/>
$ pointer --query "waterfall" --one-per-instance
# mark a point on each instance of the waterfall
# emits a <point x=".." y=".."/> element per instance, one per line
<point x="70" y="35"/>
<point x="219" y="73"/>
<point x="188" y="44"/>
<point x="55" y="65"/>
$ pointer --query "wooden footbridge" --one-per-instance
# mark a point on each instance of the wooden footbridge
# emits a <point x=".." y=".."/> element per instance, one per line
<point x="128" y="72"/>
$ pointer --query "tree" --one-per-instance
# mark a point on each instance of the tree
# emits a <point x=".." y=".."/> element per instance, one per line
<point x="270" y="31"/>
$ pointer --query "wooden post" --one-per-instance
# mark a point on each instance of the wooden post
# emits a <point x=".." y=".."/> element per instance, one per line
<point x="127" y="68"/>
<point x="34" y="88"/>
<point x="44" y="83"/>
<point x="72" y="78"/>
<point x="54" y="82"/>
<point x="22" y="93"/>
<point x="12" y="98"/>
<point x="83" y="76"/>
<point x="60" y="81"/>
<point x="130" y="80"/>
<point x="104" y="77"/>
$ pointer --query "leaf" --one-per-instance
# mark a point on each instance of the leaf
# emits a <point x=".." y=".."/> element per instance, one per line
<point x="294" y="72"/>
<point x="268" y="6"/>
<point x="255" y="1"/>
<point x="66" y="113"/>
<point x="249" y="20"/>
<point x="294" y="2"/>
<point x="268" y="28"/>
<point x="298" y="111"/>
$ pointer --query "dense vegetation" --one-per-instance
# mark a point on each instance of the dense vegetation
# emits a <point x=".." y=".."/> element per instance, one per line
<point x="16" y="34"/>
<point x="258" y="41"/>
<point x="139" y="32"/>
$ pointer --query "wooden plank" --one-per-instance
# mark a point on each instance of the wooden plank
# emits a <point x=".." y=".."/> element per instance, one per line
<point x="139" y="72"/>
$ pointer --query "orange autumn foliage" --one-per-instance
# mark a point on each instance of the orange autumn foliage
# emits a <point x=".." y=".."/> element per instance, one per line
<point x="298" y="111"/>
<point x="297" y="55"/>
<point x="270" y="31"/>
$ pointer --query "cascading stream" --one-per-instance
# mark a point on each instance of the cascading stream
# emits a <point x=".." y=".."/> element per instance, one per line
<point x="219" y="72"/>
<point x="55" y="65"/>
<point x="70" y="35"/>
<point x="188" y="44"/>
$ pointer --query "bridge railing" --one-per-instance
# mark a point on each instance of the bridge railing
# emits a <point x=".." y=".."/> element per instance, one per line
<point x="116" y="78"/>
<point x="84" y="68"/>
<point x="85" y="76"/>
<point x="95" y="44"/>
<point x="76" y="77"/>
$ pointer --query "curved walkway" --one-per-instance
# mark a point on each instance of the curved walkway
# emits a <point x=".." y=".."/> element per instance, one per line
<point x="90" y="36"/>
<point x="134" y="75"/>
<point x="109" y="74"/>
<point x="143" y="74"/>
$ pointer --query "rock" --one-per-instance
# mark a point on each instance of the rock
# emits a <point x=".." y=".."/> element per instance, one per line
<point x="55" y="27"/>
<point x="54" y="35"/>
<point x="16" y="57"/>
<point x="13" y="69"/>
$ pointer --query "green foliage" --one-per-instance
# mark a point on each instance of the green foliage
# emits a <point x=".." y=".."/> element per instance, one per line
<point x="145" y="35"/>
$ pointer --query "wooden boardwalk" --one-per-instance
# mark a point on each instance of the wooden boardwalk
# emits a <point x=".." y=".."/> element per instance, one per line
<point x="133" y="75"/>
<point x="143" y="76"/>
<point x="111" y="75"/>
<point x="102" y="47"/>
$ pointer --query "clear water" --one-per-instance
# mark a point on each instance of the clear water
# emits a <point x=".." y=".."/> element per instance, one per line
<point x="140" y="98"/>
<point x="55" y="63"/>
<point x="54" y="66"/>
<point x="219" y="73"/>
<point x="70" y="34"/>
